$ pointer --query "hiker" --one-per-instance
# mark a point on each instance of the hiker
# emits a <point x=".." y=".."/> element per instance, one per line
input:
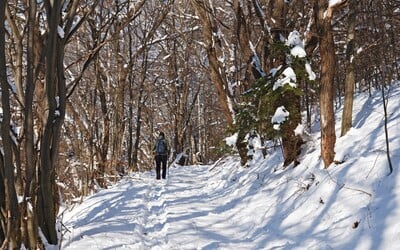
<point x="161" y="151"/>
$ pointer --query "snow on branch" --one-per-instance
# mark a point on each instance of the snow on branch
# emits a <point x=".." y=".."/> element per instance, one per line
<point x="280" y="116"/>
<point x="334" y="4"/>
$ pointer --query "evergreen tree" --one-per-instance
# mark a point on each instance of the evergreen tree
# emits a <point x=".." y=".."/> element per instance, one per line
<point x="277" y="91"/>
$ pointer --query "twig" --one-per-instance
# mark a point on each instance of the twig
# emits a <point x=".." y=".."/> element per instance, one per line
<point x="376" y="159"/>
<point x="350" y="188"/>
<point x="216" y="163"/>
<point x="359" y="190"/>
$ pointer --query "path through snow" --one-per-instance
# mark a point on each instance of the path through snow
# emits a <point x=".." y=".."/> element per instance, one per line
<point x="142" y="213"/>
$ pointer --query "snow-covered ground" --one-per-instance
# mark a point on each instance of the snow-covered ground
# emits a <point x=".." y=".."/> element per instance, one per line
<point x="352" y="205"/>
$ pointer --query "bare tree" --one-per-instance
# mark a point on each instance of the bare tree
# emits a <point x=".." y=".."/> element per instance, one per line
<point x="347" y="118"/>
<point x="42" y="97"/>
<point x="323" y="23"/>
<point x="213" y="45"/>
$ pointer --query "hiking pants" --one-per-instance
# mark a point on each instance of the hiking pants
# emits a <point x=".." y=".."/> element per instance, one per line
<point x="161" y="160"/>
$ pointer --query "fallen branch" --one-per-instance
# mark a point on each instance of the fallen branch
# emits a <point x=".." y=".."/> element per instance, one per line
<point x="216" y="163"/>
<point x="346" y="187"/>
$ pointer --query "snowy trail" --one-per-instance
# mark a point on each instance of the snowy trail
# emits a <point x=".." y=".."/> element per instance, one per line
<point x="173" y="206"/>
<point x="100" y="223"/>
<point x="237" y="208"/>
<point x="138" y="213"/>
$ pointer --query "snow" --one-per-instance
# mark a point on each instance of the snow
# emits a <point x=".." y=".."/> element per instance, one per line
<point x="289" y="77"/>
<point x="61" y="32"/>
<point x="352" y="205"/>
<point x="273" y="71"/>
<point x="310" y="72"/>
<point x="280" y="115"/>
<point x="231" y="140"/>
<point x="294" y="39"/>
<point x="255" y="61"/>
<point x="296" y="43"/>
<point x="299" y="130"/>
<point x="298" y="51"/>
<point x="335" y="2"/>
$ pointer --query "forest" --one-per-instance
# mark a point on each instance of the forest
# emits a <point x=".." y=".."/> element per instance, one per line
<point x="86" y="86"/>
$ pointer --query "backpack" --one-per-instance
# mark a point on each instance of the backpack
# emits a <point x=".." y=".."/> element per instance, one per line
<point x="161" y="147"/>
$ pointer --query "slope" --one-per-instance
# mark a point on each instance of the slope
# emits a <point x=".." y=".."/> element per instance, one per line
<point x="353" y="205"/>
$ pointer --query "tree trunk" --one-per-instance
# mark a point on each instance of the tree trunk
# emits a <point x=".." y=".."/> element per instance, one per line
<point x="347" y="118"/>
<point x="209" y="29"/>
<point x="118" y="126"/>
<point x="201" y="120"/>
<point x="278" y="58"/>
<point x="140" y="105"/>
<point x="30" y="155"/>
<point x="55" y="96"/>
<point x="243" y="38"/>
<point x="291" y="101"/>
<point x="3" y="228"/>
<point x="384" y="102"/>
<point x="291" y="143"/>
<point x="327" y="51"/>
<point x="132" y="156"/>
<point x="11" y="225"/>
<point x="104" y="132"/>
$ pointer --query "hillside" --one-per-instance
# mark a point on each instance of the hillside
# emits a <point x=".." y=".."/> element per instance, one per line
<point x="352" y="205"/>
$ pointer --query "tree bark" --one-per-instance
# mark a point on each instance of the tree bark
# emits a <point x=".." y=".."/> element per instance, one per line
<point x="104" y="133"/>
<point x="3" y="217"/>
<point x="217" y="79"/>
<point x="327" y="51"/>
<point x="384" y="102"/>
<point x="11" y="225"/>
<point x="243" y="39"/>
<point x="139" y="112"/>
<point x="30" y="156"/>
<point x="347" y="117"/>
<point x="50" y="139"/>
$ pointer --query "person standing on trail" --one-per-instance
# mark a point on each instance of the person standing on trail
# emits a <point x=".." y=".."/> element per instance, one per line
<point x="161" y="151"/>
